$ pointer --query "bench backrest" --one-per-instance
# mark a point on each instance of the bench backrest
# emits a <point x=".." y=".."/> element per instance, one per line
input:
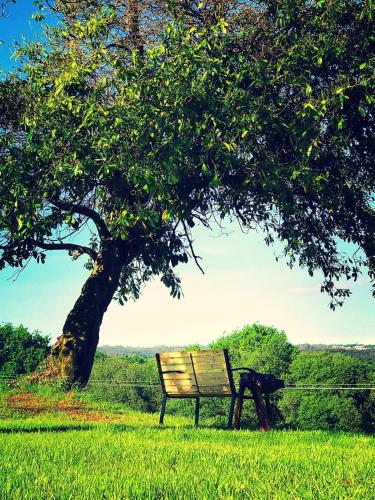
<point x="196" y="373"/>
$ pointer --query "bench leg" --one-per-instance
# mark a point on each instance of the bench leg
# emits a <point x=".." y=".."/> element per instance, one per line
<point x="237" y="421"/>
<point x="268" y="409"/>
<point x="162" y="411"/>
<point x="231" y="411"/>
<point x="196" y="411"/>
<point x="261" y="409"/>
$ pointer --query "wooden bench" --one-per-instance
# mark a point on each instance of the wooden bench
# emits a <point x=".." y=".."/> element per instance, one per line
<point x="196" y="374"/>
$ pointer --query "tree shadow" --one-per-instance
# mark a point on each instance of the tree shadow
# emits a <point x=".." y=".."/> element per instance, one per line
<point x="54" y="428"/>
<point x="112" y="426"/>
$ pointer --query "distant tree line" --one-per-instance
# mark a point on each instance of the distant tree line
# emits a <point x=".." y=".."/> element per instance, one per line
<point x="365" y="352"/>
<point x="267" y="350"/>
<point x="133" y="379"/>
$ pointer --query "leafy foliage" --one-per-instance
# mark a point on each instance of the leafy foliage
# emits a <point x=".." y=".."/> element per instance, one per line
<point x="270" y="124"/>
<point x="21" y="351"/>
<point x="127" y="380"/>
<point x="338" y="409"/>
<point x="260" y="347"/>
<point x="129" y="130"/>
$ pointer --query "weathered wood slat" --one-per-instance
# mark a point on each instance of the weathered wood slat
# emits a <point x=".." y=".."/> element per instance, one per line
<point x="176" y="366"/>
<point x="212" y="374"/>
<point x="184" y="394"/>
<point x="215" y="353"/>
<point x="170" y="355"/>
<point x="189" y="383"/>
<point x="176" y="361"/>
<point x="205" y="355"/>
<point x="215" y="390"/>
<point x="182" y="383"/>
<point x="200" y="355"/>
<point x="209" y="365"/>
<point x="178" y="376"/>
<point x="204" y="380"/>
<point x="179" y="359"/>
<point x="181" y="388"/>
<point x="205" y="352"/>
<point x="202" y="390"/>
<point x="207" y="388"/>
<point x="201" y="365"/>
<point x="179" y="395"/>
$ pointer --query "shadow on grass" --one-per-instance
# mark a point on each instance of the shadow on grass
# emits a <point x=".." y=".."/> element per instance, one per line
<point x="54" y="428"/>
<point x="112" y="427"/>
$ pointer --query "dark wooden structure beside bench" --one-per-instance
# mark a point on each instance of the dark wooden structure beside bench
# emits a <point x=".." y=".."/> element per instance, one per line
<point x="196" y="374"/>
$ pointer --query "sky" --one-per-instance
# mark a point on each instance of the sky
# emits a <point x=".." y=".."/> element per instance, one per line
<point x="242" y="283"/>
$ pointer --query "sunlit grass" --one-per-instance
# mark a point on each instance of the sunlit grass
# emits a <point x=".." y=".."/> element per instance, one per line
<point x="129" y="456"/>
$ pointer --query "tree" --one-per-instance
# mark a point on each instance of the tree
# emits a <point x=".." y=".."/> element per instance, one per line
<point x="134" y="124"/>
<point x="347" y="410"/>
<point x="21" y="351"/>
<point x="262" y="348"/>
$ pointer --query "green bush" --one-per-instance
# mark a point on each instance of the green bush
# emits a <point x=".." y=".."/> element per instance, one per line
<point x="133" y="380"/>
<point x="262" y="348"/>
<point x="126" y="379"/>
<point x="21" y="351"/>
<point x="328" y="409"/>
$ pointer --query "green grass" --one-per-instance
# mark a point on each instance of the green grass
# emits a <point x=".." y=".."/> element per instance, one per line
<point x="53" y="455"/>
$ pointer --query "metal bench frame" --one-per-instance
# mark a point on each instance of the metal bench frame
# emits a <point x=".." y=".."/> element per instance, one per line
<point x="233" y="394"/>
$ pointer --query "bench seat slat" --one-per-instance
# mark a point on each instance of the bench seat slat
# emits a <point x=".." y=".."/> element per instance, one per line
<point x="178" y="376"/>
<point x="212" y="381"/>
<point x="202" y="389"/>
<point x="183" y="393"/>
<point x="199" y="354"/>
<point x="201" y="366"/>
<point x="196" y="359"/>
<point x="179" y="383"/>
<point x="179" y="359"/>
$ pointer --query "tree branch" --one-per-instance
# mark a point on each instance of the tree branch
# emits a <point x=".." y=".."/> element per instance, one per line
<point x="195" y="257"/>
<point x="87" y="212"/>
<point x="64" y="246"/>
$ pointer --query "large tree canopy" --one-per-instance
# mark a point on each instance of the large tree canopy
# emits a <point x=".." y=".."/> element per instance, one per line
<point x="141" y="119"/>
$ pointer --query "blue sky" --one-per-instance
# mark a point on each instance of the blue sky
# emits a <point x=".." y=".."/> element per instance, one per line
<point x="16" y="23"/>
<point x="243" y="283"/>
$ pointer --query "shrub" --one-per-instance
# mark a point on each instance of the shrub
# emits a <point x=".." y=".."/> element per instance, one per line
<point x="328" y="409"/>
<point x="21" y="351"/>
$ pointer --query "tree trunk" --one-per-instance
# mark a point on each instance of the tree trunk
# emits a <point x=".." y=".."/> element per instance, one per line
<point x="73" y="354"/>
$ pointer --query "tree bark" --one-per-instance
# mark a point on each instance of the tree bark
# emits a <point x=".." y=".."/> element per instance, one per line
<point x="72" y="356"/>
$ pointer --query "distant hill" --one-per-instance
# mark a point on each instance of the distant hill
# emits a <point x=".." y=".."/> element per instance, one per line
<point x="362" y="351"/>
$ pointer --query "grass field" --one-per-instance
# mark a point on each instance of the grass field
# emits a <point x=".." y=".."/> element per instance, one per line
<point x="51" y="448"/>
